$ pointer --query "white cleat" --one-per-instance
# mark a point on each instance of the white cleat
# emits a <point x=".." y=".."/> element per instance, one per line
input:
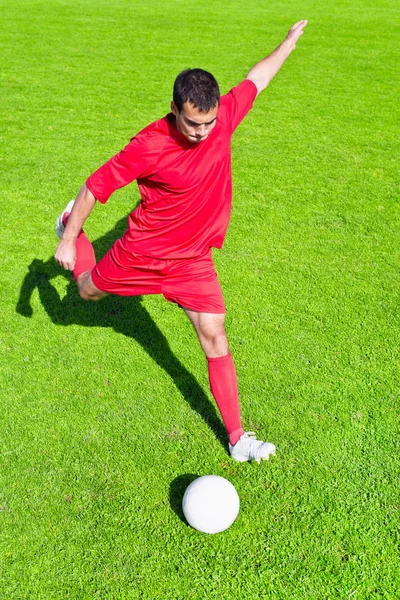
<point x="249" y="448"/>
<point x="59" y="224"/>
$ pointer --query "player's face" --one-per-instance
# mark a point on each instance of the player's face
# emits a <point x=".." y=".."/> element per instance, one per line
<point x="196" y="126"/>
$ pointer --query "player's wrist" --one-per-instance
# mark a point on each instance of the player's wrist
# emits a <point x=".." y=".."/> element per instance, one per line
<point x="288" y="45"/>
<point x="69" y="239"/>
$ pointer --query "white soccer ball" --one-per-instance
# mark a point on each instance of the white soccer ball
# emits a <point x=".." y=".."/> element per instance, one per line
<point x="210" y="504"/>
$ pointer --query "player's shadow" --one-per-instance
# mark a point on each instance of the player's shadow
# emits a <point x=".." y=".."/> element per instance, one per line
<point x="125" y="315"/>
<point x="177" y="490"/>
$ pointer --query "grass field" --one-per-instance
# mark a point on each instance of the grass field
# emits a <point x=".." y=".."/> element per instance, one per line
<point x="105" y="409"/>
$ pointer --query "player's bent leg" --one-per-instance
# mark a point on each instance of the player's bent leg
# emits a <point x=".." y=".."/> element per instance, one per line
<point x="87" y="289"/>
<point x="85" y="257"/>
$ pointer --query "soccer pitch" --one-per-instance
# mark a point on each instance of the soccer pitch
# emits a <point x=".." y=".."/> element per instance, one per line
<point x="105" y="407"/>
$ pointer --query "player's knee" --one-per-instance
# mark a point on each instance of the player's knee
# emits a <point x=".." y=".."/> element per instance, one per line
<point x="84" y="295"/>
<point x="217" y="344"/>
<point x="88" y="293"/>
<point x="87" y="290"/>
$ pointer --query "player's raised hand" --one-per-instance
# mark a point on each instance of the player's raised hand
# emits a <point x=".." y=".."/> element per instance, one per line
<point x="262" y="72"/>
<point x="296" y="31"/>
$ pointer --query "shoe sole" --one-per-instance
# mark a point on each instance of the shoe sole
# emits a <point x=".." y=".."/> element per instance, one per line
<point x="59" y="224"/>
<point x="257" y="460"/>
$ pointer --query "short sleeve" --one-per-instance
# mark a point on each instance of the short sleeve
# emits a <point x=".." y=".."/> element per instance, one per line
<point x="133" y="161"/>
<point x="236" y="104"/>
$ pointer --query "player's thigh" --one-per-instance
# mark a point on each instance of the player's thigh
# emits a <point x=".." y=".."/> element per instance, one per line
<point x="194" y="285"/>
<point x="125" y="273"/>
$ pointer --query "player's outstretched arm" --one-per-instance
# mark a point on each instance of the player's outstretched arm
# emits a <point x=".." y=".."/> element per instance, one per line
<point x="66" y="250"/>
<point x="262" y="73"/>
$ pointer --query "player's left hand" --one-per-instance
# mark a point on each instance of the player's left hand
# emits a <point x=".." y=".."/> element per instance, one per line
<point x="296" y="31"/>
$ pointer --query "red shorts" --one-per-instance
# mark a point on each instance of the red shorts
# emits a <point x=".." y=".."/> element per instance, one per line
<point x="190" y="282"/>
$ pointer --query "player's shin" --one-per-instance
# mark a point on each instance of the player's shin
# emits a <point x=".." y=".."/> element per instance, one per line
<point x="224" y="388"/>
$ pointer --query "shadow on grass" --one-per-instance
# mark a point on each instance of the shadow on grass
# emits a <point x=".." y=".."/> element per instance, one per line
<point x="177" y="490"/>
<point x="125" y="315"/>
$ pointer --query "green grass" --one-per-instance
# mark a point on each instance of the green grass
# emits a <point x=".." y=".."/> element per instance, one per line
<point x="106" y="413"/>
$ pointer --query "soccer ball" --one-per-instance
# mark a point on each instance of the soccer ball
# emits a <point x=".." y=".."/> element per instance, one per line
<point x="210" y="504"/>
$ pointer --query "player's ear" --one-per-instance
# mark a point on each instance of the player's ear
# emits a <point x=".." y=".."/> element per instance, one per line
<point x="174" y="110"/>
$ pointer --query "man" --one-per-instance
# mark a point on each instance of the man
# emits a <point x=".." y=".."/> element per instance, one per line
<point x="182" y="164"/>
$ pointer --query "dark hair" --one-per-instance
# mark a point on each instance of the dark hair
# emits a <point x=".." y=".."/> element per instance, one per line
<point x="198" y="87"/>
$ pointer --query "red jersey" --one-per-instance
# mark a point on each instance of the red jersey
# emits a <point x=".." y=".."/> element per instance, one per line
<point x="185" y="187"/>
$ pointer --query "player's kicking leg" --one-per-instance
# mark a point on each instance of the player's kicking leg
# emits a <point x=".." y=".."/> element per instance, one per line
<point x="210" y="329"/>
<point x="85" y="259"/>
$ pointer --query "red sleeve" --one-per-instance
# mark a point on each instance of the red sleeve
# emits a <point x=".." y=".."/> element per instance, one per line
<point x="236" y="104"/>
<point x="133" y="161"/>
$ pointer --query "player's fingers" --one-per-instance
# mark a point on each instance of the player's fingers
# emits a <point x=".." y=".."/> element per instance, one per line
<point x="69" y="266"/>
<point x="296" y="31"/>
<point x="299" y="24"/>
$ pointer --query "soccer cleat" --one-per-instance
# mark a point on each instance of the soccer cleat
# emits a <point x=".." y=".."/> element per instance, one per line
<point x="248" y="448"/>
<point x="60" y="227"/>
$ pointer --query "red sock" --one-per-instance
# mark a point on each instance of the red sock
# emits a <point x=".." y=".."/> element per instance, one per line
<point x="223" y="384"/>
<point x="85" y="257"/>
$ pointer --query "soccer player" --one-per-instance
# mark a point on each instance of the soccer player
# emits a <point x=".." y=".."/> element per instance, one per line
<point x="182" y="164"/>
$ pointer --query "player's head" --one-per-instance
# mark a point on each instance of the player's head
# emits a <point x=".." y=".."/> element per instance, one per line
<point x="195" y="103"/>
<point x="197" y="87"/>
